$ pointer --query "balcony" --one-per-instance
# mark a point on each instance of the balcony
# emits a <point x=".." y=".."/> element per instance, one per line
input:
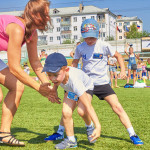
<point x="66" y="32"/>
<point x="65" y="23"/>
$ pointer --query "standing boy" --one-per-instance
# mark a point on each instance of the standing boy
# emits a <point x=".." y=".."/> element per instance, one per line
<point x="94" y="53"/>
<point x="78" y="87"/>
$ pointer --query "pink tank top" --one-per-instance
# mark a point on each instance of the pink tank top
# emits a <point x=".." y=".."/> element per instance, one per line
<point x="4" y="21"/>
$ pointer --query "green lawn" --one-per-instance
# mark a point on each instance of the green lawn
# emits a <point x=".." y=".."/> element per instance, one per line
<point x="37" y="117"/>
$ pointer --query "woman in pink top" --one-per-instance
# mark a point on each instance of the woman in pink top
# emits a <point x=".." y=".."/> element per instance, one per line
<point x="14" y="32"/>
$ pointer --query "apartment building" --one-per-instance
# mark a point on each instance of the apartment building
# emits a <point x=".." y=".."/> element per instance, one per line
<point x="67" y="22"/>
<point x="124" y="23"/>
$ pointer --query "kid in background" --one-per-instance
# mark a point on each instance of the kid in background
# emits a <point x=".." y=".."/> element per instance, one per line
<point x="148" y="68"/>
<point x="139" y="69"/>
<point x="132" y="62"/>
<point x="94" y="53"/>
<point x="112" y="62"/>
<point x="78" y="87"/>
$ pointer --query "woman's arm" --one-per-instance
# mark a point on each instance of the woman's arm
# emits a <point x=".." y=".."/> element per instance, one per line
<point x="120" y="60"/>
<point x="125" y="50"/>
<point x="14" y="58"/>
<point x="86" y="102"/>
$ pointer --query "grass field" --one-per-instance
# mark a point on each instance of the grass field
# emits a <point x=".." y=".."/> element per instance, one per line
<point x="37" y="117"/>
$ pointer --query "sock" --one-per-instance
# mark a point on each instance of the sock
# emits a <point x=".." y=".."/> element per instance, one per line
<point x="71" y="138"/>
<point x="61" y="130"/>
<point x="131" y="131"/>
<point x="89" y="126"/>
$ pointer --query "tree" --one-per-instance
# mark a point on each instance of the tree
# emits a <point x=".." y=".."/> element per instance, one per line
<point x="134" y="33"/>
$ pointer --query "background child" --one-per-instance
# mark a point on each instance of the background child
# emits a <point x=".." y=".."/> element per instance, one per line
<point x="148" y="68"/>
<point x="112" y="62"/>
<point x="78" y="86"/>
<point x="132" y="62"/>
<point x="139" y="69"/>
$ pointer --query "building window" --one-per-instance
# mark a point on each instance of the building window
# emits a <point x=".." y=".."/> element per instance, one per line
<point x="74" y="19"/>
<point x="58" y="38"/>
<point x="75" y="28"/>
<point x="83" y="18"/>
<point x="103" y="25"/>
<point x="58" y="29"/>
<point x="127" y="23"/>
<point x="120" y="37"/>
<point x="120" y="24"/>
<point x="66" y="28"/>
<point x="51" y="39"/>
<point x="58" y="20"/>
<point x="75" y="37"/>
<point x="92" y="17"/>
<point x="67" y="36"/>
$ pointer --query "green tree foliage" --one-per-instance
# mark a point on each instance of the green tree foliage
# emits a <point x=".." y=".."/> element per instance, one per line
<point x="134" y="33"/>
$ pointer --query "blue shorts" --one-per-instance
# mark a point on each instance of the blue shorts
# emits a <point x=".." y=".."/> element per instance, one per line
<point x="139" y="69"/>
<point x="2" y="65"/>
<point x="112" y="68"/>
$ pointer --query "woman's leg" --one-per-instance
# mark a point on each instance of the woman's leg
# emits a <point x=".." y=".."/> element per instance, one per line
<point x="115" y="74"/>
<point x="129" y="74"/>
<point x="134" y="76"/>
<point x="1" y="95"/>
<point x="111" y="78"/>
<point x="12" y="99"/>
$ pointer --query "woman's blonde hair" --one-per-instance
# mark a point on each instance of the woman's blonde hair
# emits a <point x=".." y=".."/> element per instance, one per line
<point x="36" y="13"/>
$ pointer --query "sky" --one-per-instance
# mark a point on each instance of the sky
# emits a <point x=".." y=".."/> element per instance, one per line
<point x="128" y="8"/>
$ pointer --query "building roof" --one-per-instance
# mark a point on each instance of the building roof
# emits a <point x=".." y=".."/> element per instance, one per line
<point x="124" y="19"/>
<point x="67" y="11"/>
<point x="75" y="10"/>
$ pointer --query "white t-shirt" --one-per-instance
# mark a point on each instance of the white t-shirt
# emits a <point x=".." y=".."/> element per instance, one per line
<point x="112" y="60"/>
<point x="78" y="82"/>
<point x="95" y="60"/>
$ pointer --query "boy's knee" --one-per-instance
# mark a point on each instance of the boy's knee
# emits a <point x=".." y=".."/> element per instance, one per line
<point x="81" y="112"/>
<point x="67" y="113"/>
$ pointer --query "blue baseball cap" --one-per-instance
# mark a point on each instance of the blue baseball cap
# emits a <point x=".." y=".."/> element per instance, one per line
<point x="54" y="62"/>
<point x="90" y="28"/>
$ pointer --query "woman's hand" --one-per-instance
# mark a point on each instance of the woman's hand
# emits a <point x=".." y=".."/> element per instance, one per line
<point x="47" y="91"/>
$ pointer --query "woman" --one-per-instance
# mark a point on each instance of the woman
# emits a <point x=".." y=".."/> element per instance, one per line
<point x="35" y="16"/>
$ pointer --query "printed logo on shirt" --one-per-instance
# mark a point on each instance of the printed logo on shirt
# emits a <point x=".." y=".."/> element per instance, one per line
<point x="72" y="96"/>
<point x="97" y="56"/>
<point x="84" y="56"/>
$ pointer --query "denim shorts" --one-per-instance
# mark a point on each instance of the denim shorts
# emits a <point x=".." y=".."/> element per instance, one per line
<point x="139" y="69"/>
<point x="112" y="68"/>
<point x="2" y="65"/>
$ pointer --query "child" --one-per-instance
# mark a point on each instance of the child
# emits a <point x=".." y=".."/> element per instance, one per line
<point x="132" y="62"/>
<point x="148" y="68"/>
<point x="139" y="69"/>
<point x="112" y="62"/>
<point x="43" y="57"/>
<point x="78" y="87"/>
<point x="144" y="71"/>
<point x="94" y="53"/>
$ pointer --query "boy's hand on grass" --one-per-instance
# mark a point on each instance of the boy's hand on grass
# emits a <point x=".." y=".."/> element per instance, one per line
<point x="95" y="135"/>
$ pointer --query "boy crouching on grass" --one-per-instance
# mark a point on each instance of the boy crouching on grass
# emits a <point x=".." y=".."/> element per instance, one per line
<point x="78" y="87"/>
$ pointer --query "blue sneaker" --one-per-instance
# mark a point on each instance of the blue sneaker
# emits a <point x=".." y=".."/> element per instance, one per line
<point x="136" y="140"/>
<point x="66" y="144"/>
<point x="54" y="136"/>
<point x="89" y="131"/>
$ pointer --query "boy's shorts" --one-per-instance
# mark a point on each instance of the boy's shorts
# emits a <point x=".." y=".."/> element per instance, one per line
<point x="101" y="91"/>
